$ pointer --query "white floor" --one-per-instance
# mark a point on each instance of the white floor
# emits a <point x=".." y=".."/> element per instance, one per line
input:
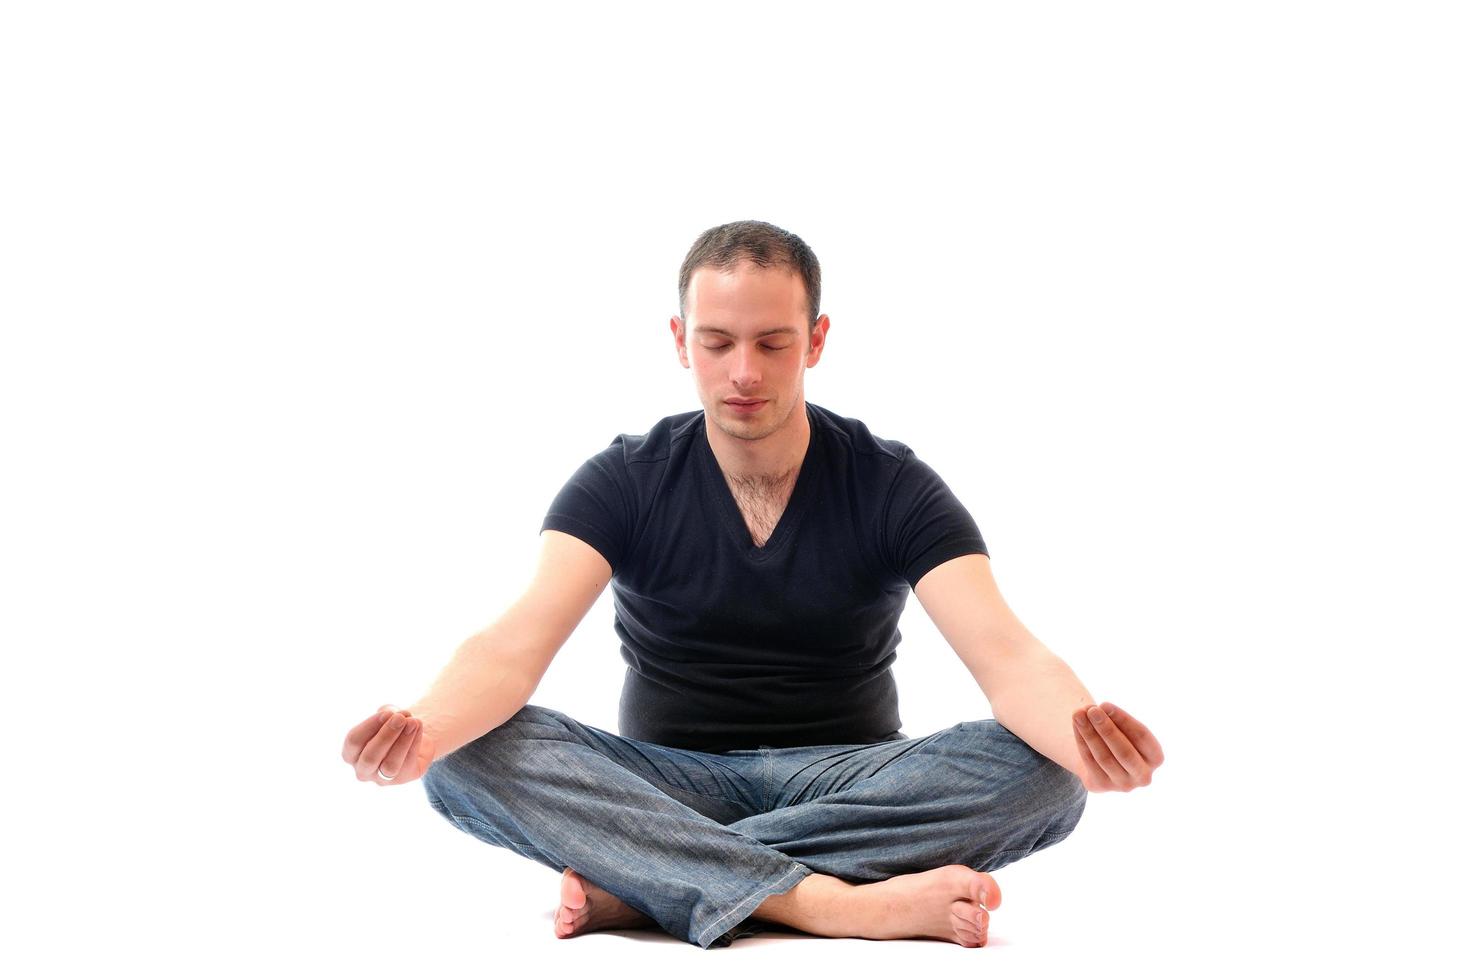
<point x="204" y="872"/>
<point x="1153" y="883"/>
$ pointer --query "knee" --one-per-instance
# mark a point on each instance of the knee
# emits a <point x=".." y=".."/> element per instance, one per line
<point x="1039" y="787"/>
<point x="529" y="714"/>
<point x="443" y="778"/>
<point x="1063" y="797"/>
<point x="473" y="761"/>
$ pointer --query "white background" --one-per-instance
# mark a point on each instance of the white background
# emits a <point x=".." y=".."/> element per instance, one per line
<point x="309" y="309"/>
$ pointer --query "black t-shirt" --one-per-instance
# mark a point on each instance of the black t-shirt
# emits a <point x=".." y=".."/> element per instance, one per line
<point x="732" y="646"/>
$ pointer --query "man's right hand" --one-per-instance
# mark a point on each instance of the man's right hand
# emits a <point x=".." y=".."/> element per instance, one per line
<point x="389" y="747"/>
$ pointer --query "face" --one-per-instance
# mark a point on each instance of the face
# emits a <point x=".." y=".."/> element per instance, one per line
<point x="745" y="340"/>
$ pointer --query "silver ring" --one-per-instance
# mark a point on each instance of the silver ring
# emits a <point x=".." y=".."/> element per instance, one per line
<point x="382" y="774"/>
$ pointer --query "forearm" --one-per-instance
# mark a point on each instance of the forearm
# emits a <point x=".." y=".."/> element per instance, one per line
<point x="483" y="686"/>
<point x="1034" y="693"/>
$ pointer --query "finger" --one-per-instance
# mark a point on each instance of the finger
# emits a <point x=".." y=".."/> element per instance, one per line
<point x="1095" y="780"/>
<point x="1106" y="761"/>
<point x="1122" y="749"/>
<point x="394" y="760"/>
<point x="361" y="733"/>
<point x="379" y="746"/>
<point x="394" y="763"/>
<point x="1147" y="745"/>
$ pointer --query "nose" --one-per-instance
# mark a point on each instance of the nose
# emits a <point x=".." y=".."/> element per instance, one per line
<point x="745" y="374"/>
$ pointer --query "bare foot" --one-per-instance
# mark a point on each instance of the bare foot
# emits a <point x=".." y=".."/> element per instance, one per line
<point x="943" y="903"/>
<point x="586" y="907"/>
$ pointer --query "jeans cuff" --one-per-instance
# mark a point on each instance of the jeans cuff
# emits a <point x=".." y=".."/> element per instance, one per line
<point x="738" y="923"/>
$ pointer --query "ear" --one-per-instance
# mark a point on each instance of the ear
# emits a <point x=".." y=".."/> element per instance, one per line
<point x="679" y="335"/>
<point x="817" y="340"/>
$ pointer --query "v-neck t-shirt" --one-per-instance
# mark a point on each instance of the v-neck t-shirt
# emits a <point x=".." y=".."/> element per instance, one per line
<point x="732" y="645"/>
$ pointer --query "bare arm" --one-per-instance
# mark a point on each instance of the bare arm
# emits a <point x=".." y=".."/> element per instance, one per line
<point x="1032" y="691"/>
<point x="495" y="671"/>
<point x="1035" y="697"/>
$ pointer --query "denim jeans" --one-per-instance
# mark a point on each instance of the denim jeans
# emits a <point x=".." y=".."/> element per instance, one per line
<point x="698" y="840"/>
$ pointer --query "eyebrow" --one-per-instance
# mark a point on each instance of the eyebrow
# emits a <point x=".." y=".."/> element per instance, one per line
<point x="727" y="333"/>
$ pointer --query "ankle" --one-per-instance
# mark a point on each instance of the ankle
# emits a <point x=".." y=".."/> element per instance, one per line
<point x="816" y="905"/>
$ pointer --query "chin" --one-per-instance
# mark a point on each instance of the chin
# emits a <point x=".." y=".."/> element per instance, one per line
<point x="741" y="433"/>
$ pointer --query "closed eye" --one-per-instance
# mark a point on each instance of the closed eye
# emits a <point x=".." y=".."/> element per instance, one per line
<point x="726" y="346"/>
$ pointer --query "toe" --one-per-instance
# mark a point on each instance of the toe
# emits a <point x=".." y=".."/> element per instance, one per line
<point x="571" y="890"/>
<point x="564" y="927"/>
<point x="965" y="934"/>
<point x="986" y="892"/>
<point x="969" y="921"/>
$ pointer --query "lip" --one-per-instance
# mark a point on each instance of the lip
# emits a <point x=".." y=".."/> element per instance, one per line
<point x="745" y="401"/>
<point x="745" y="408"/>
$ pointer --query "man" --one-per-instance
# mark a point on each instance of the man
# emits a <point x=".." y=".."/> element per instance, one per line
<point x="762" y="550"/>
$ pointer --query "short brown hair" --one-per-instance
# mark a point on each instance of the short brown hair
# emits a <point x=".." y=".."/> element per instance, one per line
<point x="759" y="242"/>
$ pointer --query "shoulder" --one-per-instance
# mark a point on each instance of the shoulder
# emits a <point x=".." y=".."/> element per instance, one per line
<point x="855" y="440"/>
<point x="656" y="444"/>
<point x="604" y="502"/>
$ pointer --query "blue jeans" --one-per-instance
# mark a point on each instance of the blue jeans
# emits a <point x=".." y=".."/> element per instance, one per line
<point x="698" y="840"/>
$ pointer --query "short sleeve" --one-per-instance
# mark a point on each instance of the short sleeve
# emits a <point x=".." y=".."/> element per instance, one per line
<point x="595" y="505"/>
<point x="923" y="524"/>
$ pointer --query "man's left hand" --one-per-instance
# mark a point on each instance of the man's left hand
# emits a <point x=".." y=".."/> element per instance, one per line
<point x="1118" y="752"/>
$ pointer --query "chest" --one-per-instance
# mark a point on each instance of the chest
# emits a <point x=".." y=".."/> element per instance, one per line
<point x="762" y="503"/>
<point x="727" y="570"/>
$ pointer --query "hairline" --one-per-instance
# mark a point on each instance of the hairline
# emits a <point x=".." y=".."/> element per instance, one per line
<point x="724" y="248"/>
<point x="704" y="328"/>
<point x="736" y="263"/>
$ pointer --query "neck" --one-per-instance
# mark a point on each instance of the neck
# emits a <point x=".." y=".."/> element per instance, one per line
<point x="772" y="458"/>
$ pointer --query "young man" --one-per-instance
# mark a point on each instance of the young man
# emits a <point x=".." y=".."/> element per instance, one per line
<point x="762" y="550"/>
